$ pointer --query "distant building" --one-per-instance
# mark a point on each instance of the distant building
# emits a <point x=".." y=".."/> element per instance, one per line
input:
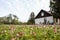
<point x="44" y="17"/>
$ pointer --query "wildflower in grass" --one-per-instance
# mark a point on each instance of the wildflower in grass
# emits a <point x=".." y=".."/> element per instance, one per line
<point x="55" y="30"/>
<point x="31" y="28"/>
<point x="21" y="33"/>
<point x="12" y="29"/>
<point x="45" y="34"/>
<point x="5" y="31"/>
<point x="33" y="33"/>
<point x="44" y="26"/>
<point x="52" y="25"/>
<point x="17" y="35"/>
<point x="2" y="32"/>
<point x="13" y="38"/>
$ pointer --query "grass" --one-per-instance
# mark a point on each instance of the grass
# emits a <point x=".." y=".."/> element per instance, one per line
<point x="29" y="32"/>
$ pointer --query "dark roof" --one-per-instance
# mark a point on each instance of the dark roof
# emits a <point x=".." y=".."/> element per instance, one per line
<point x="46" y="14"/>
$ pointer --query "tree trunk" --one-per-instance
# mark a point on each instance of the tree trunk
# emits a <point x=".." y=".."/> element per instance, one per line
<point x="54" y="20"/>
<point x="58" y="20"/>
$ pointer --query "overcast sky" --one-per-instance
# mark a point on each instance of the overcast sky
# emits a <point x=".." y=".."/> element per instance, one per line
<point x="22" y="8"/>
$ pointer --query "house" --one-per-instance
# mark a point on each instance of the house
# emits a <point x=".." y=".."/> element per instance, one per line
<point x="44" y="17"/>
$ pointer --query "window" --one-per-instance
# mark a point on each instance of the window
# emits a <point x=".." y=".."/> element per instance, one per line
<point x="42" y="14"/>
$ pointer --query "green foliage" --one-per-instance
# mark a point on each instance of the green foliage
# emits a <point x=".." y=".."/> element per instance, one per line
<point x="10" y="19"/>
<point x="55" y="5"/>
<point x="31" y="19"/>
<point x="15" y="22"/>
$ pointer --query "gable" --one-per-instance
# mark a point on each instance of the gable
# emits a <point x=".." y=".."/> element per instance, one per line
<point x="43" y="13"/>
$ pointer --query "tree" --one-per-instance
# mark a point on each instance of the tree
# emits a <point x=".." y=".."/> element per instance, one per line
<point x="1" y="20"/>
<point x="15" y="20"/>
<point x="31" y="19"/>
<point x="55" y="8"/>
<point x="15" y="17"/>
<point x="9" y="18"/>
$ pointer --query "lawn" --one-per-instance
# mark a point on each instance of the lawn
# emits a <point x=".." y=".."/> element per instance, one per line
<point x="29" y="32"/>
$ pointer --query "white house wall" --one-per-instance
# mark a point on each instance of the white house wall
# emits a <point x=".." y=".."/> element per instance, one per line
<point x="41" y="20"/>
<point x="50" y="19"/>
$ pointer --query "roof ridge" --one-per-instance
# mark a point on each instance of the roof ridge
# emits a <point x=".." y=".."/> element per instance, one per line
<point x="44" y="13"/>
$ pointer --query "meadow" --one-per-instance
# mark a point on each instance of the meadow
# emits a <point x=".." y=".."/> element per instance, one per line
<point x="29" y="32"/>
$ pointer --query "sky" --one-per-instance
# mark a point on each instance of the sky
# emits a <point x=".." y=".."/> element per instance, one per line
<point x="23" y="8"/>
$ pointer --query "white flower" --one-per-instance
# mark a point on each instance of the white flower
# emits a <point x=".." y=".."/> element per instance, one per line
<point x="17" y="34"/>
<point x="44" y="26"/>
<point x="31" y="28"/>
<point x="52" y="25"/>
<point x="5" y="31"/>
